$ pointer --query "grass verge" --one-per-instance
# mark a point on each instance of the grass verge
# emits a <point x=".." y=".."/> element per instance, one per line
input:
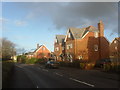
<point x="7" y="70"/>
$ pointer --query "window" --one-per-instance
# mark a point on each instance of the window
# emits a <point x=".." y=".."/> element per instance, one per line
<point x="96" y="34"/>
<point x="43" y="48"/>
<point x="115" y="48"/>
<point x="67" y="47"/>
<point x="95" y="47"/>
<point x="57" y="49"/>
<point x="56" y="40"/>
<point x="114" y="41"/>
<point x="69" y="35"/>
<point x="62" y="48"/>
<point x="71" y="45"/>
<point x="80" y="57"/>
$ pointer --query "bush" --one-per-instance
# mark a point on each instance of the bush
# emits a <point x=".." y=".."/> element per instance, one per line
<point x="41" y="61"/>
<point x="82" y="65"/>
<point x="108" y="67"/>
<point x="76" y="63"/>
<point x="21" y="59"/>
<point x="31" y="61"/>
<point x="89" y="66"/>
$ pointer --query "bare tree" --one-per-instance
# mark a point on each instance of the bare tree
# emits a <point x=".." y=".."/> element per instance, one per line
<point x="7" y="48"/>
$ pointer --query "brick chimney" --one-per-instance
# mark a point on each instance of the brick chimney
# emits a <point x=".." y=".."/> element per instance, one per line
<point x="37" y="46"/>
<point x="101" y="28"/>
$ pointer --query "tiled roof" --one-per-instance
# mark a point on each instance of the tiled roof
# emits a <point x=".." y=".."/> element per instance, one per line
<point x="92" y="29"/>
<point x="60" y="38"/>
<point x="38" y="48"/>
<point x="80" y="32"/>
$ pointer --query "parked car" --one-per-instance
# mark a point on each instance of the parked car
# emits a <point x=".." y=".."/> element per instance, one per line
<point x="52" y="64"/>
<point x="100" y="63"/>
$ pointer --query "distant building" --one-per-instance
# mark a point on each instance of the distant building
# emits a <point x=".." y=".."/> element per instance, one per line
<point x="59" y="47"/>
<point x="42" y="52"/>
<point x="115" y="49"/>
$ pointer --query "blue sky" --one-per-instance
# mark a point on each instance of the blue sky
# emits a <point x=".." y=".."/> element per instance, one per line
<point x="27" y="24"/>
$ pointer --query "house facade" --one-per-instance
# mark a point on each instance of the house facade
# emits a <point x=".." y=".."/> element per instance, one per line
<point x="115" y="49"/>
<point x="42" y="52"/>
<point x="86" y="43"/>
<point x="59" y="47"/>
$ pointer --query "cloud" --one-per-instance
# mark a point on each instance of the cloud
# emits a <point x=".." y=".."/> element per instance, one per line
<point x="74" y="14"/>
<point x="77" y="14"/>
<point x="2" y="20"/>
<point x="20" y="23"/>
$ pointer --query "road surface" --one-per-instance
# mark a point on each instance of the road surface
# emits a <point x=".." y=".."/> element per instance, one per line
<point x="36" y="76"/>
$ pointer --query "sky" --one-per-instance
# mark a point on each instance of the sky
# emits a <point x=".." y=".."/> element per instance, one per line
<point x="29" y="23"/>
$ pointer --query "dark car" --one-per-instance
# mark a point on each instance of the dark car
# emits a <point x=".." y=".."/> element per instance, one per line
<point x="102" y="62"/>
<point x="52" y="64"/>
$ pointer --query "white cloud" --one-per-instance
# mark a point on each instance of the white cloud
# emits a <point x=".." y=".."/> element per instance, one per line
<point x="20" y="23"/>
<point x="2" y="20"/>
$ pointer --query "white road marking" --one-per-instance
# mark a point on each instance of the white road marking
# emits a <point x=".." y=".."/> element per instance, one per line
<point x="45" y="70"/>
<point x="58" y="74"/>
<point x="82" y="82"/>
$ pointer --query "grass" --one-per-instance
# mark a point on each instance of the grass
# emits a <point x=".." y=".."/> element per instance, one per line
<point x="7" y="70"/>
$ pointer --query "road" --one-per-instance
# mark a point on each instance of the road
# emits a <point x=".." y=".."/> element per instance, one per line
<point x="36" y="76"/>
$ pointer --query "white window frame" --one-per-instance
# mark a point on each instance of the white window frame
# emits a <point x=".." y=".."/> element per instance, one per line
<point x="57" y="48"/>
<point x="62" y="48"/>
<point x="96" y="34"/>
<point x="71" y="45"/>
<point x="69" y="35"/>
<point x="56" y="40"/>
<point x="43" y="48"/>
<point x="115" y="47"/>
<point x="115" y="41"/>
<point x="67" y="46"/>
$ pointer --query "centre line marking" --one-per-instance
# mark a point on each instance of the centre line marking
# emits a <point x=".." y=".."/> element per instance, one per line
<point x="58" y="74"/>
<point x="82" y="82"/>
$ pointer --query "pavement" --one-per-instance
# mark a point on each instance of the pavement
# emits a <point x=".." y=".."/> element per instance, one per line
<point x="0" y="74"/>
<point x="37" y="76"/>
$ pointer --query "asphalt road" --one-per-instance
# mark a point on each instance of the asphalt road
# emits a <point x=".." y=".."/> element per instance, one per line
<point x="36" y="76"/>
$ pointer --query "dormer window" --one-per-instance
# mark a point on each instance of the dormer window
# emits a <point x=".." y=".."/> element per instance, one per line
<point x="69" y="35"/>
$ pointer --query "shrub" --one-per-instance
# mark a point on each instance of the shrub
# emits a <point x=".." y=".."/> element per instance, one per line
<point x="106" y="67"/>
<point x="31" y="61"/>
<point x="82" y="65"/>
<point x="21" y="58"/>
<point x="76" y="63"/>
<point x="41" y="61"/>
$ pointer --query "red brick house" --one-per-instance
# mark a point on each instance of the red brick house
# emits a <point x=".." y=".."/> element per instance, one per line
<point x="42" y="52"/>
<point x="115" y="49"/>
<point x="59" y="47"/>
<point x="86" y="43"/>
